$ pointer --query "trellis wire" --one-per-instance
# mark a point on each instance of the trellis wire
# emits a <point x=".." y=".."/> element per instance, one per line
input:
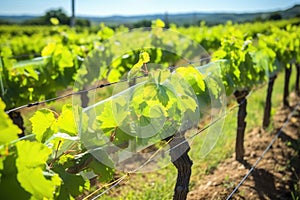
<point x="118" y="181"/>
<point x="171" y="68"/>
<point x="263" y="154"/>
<point x="1" y="72"/>
<point x="62" y="96"/>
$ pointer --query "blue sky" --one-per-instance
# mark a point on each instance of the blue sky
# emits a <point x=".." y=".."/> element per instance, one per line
<point x="138" y="7"/>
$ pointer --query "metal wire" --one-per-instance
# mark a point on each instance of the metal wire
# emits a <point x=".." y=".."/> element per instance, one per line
<point x="118" y="181"/>
<point x="171" y="68"/>
<point x="200" y="131"/>
<point x="63" y="96"/>
<point x="263" y="154"/>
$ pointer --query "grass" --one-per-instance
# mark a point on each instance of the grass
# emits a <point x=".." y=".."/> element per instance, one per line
<point x="160" y="184"/>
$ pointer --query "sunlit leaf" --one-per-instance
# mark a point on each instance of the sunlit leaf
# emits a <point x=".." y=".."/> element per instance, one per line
<point x="41" y="122"/>
<point x="66" y="121"/>
<point x="54" y="21"/>
<point x="31" y="171"/>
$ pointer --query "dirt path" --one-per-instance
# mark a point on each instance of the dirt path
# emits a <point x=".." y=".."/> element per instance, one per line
<point x="276" y="174"/>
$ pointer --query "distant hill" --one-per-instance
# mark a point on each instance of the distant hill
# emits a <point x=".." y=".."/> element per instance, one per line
<point x="180" y="19"/>
<point x="291" y="12"/>
<point x="17" y="18"/>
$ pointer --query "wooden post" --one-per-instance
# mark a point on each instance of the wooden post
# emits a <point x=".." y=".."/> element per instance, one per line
<point x="73" y="20"/>
<point x="1" y="81"/>
<point x="241" y="124"/>
<point x="180" y="158"/>
<point x="297" y="90"/>
<point x="84" y="99"/>
<point x="268" y="103"/>
<point x="286" y="86"/>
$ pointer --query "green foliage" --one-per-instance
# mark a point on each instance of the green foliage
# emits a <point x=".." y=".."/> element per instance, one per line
<point x="242" y="69"/>
<point x="42" y="122"/>
<point x="105" y="32"/>
<point x="30" y="171"/>
<point x="275" y="16"/>
<point x="54" y="21"/>
<point x="142" y="23"/>
<point x="66" y="121"/>
<point x="144" y="113"/>
<point x="193" y="77"/>
<point x="55" y="158"/>
<point x="72" y="186"/>
<point x="38" y="169"/>
<point x="158" y="23"/>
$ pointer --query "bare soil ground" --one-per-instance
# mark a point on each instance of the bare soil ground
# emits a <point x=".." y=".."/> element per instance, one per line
<point x="276" y="175"/>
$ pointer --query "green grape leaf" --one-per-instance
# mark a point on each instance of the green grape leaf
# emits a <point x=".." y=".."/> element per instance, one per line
<point x="149" y="91"/>
<point x="41" y="122"/>
<point x="80" y="163"/>
<point x="193" y="77"/>
<point x="72" y="184"/>
<point x="105" y="32"/>
<point x="39" y="152"/>
<point x="174" y="110"/>
<point x="119" y="109"/>
<point x="32" y="72"/>
<point x="49" y="49"/>
<point x="120" y="139"/>
<point x="219" y="54"/>
<point x="162" y="95"/>
<point x="135" y="70"/>
<point x="237" y="73"/>
<point x="153" y="109"/>
<point x="31" y="160"/>
<point x="8" y="131"/>
<point x="60" y="143"/>
<point x="214" y="87"/>
<point x="158" y="23"/>
<point x="65" y="159"/>
<point x="105" y="173"/>
<point x="109" y="118"/>
<point x="44" y="189"/>
<point x="144" y="121"/>
<point x="158" y="55"/>
<point x="144" y="57"/>
<point x="114" y="75"/>
<point x="66" y="121"/>
<point x="54" y="21"/>
<point x="66" y="59"/>
<point x="189" y="103"/>
<point x="9" y="181"/>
